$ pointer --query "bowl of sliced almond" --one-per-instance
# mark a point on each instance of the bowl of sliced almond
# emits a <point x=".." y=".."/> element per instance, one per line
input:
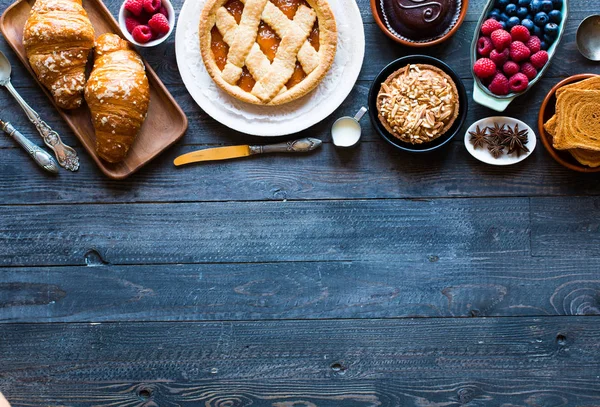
<point x="417" y="103"/>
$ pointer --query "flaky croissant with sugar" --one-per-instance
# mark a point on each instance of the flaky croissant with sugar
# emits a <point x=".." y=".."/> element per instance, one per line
<point x="118" y="95"/>
<point x="58" y="38"/>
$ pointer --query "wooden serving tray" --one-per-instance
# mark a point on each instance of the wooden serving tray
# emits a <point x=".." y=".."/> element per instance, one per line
<point x="166" y="122"/>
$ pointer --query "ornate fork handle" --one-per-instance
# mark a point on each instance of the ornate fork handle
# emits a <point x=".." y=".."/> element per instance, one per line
<point x="65" y="155"/>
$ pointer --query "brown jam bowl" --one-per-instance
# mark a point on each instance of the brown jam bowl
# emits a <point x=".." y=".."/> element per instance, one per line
<point x="547" y="110"/>
<point x="377" y="14"/>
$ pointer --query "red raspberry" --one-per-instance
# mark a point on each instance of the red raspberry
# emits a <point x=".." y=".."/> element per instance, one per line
<point x="501" y="39"/>
<point x="499" y="85"/>
<point x="152" y="6"/>
<point x="499" y="58"/>
<point x="519" y="33"/>
<point x="529" y="70"/>
<point x="134" y="6"/>
<point x="131" y="23"/>
<point x="164" y="12"/>
<point x="489" y="26"/>
<point x="518" y="82"/>
<point x="534" y="44"/>
<point x="510" y="68"/>
<point x="142" y="34"/>
<point x="484" y="46"/>
<point x="159" y="24"/>
<point x="484" y="68"/>
<point x="518" y="51"/>
<point x="539" y="59"/>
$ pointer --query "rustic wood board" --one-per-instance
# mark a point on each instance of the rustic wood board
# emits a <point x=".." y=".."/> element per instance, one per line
<point x="166" y="122"/>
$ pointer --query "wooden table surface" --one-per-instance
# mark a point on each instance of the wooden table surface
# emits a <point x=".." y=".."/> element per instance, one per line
<point x="364" y="277"/>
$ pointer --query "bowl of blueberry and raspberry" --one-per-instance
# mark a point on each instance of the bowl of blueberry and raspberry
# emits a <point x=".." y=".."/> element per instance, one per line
<point x="146" y="23"/>
<point x="512" y="47"/>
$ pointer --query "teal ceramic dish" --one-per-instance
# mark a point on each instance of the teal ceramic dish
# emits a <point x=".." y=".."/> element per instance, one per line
<point x="481" y="94"/>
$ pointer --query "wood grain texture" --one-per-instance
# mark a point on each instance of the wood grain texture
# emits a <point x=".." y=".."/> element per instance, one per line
<point x="434" y="286"/>
<point x="548" y="361"/>
<point x="263" y="231"/>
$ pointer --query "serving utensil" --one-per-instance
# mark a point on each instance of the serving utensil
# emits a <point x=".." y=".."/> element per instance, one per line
<point x="303" y="145"/>
<point x="66" y="156"/>
<point x="41" y="157"/>
<point x="588" y="37"/>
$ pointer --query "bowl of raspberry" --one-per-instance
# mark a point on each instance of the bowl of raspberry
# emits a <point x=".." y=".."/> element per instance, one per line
<point x="513" y="46"/>
<point x="146" y="23"/>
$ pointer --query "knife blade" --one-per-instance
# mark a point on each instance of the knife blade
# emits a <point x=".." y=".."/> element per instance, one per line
<point x="224" y="153"/>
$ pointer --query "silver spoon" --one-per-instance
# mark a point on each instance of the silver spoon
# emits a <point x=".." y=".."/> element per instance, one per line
<point x="588" y="37"/>
<point x="66" y="156"/>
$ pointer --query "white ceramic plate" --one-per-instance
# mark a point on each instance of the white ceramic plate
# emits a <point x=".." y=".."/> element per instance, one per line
<point x="272" y="120"/>
<point x="482" y="154"/>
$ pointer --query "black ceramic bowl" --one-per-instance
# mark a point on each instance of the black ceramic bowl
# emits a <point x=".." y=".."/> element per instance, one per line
<point x="441" y="140"/>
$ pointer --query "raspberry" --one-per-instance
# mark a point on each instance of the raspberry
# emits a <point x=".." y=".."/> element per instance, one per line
<point x="518" y="82"/>
<point x="142" y="34"/>
<point x="484" y="46"/>
<point x="164" y="12"/>
<point x="510" y="68"/>
<point x="529" y="70"/>
<point x="499" y="85"/>
<point x="539" y="59"/>
<point x="519" y="33"/>
<point x="499" y="58"/>
<point x="131" y="23"/>
<point x="152" y="6"/>
<point x="484" y="68"/>
<point x="518" y="51"/>
<point x="134" y="6"/>
<point x="159" y="24"/>
<point x="534" y="44"/>
<point x="501" y="39"/>
<point x="489" y="26"/>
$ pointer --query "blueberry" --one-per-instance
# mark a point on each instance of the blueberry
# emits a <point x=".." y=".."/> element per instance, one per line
<point x="524" y="3"/>
<point x="557" y="4"/>
<point x="548" y="39"/>
<point x="541" y="19"/>
<point x="503" y="24"/>
<point x="535" y="6"/>
<point x="501" y="4"/>
<point x="527" y="23"/>
<point x="544" y="45"/>
<point x="504" y="17"/>
<point x="512" y="22"/>
<point x="537" y="31"/>
<point x="511" y="10"/>
<point x="547" y="6"/>
<point x="551" y="30"/>
<point x="555" y="16"/>
<point x="522" y="12"/>
<point x="495" y="14"/>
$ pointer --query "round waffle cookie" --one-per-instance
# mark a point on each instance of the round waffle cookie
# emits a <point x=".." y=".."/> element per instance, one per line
<point x="418" y="103"/>
<point x="267" y="52"/>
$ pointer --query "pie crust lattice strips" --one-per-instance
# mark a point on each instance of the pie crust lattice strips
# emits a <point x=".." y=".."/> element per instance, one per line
<point x="245" y="55"/>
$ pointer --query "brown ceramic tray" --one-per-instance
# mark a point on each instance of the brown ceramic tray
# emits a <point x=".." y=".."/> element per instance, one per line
<point x="547" y="110"/>
<point x="378" y="16"/>
<point x="166" y="122"/>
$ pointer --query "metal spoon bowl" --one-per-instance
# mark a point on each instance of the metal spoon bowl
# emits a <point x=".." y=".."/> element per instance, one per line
<point x="65" y="155"/>
<point x="588" y="37"/>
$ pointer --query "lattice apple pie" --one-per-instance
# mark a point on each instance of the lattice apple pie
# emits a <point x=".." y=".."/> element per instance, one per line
<point x="267" y="52"/>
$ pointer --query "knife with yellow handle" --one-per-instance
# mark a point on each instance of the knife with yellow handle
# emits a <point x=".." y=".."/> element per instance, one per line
<point x="302" y="145"/>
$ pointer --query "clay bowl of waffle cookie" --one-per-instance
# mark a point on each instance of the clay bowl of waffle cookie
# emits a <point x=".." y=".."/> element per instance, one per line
<point x="417" y="103"/>
<point x="417" y="23"/>
<point x="569" y="122"/>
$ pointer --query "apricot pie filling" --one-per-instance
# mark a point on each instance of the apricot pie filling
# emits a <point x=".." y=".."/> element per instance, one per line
<point x="267" y="51"/>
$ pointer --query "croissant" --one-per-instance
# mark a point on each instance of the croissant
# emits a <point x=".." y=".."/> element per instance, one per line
<point x="58" y="38"/>
<point x="118" y="95"/>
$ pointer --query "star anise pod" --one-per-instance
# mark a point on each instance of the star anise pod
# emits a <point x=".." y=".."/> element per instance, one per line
<point x="496" y="133"/>
<point x="479" y="137"/>
<point x="515" y="140"/>
<point x="495" y="148"/>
